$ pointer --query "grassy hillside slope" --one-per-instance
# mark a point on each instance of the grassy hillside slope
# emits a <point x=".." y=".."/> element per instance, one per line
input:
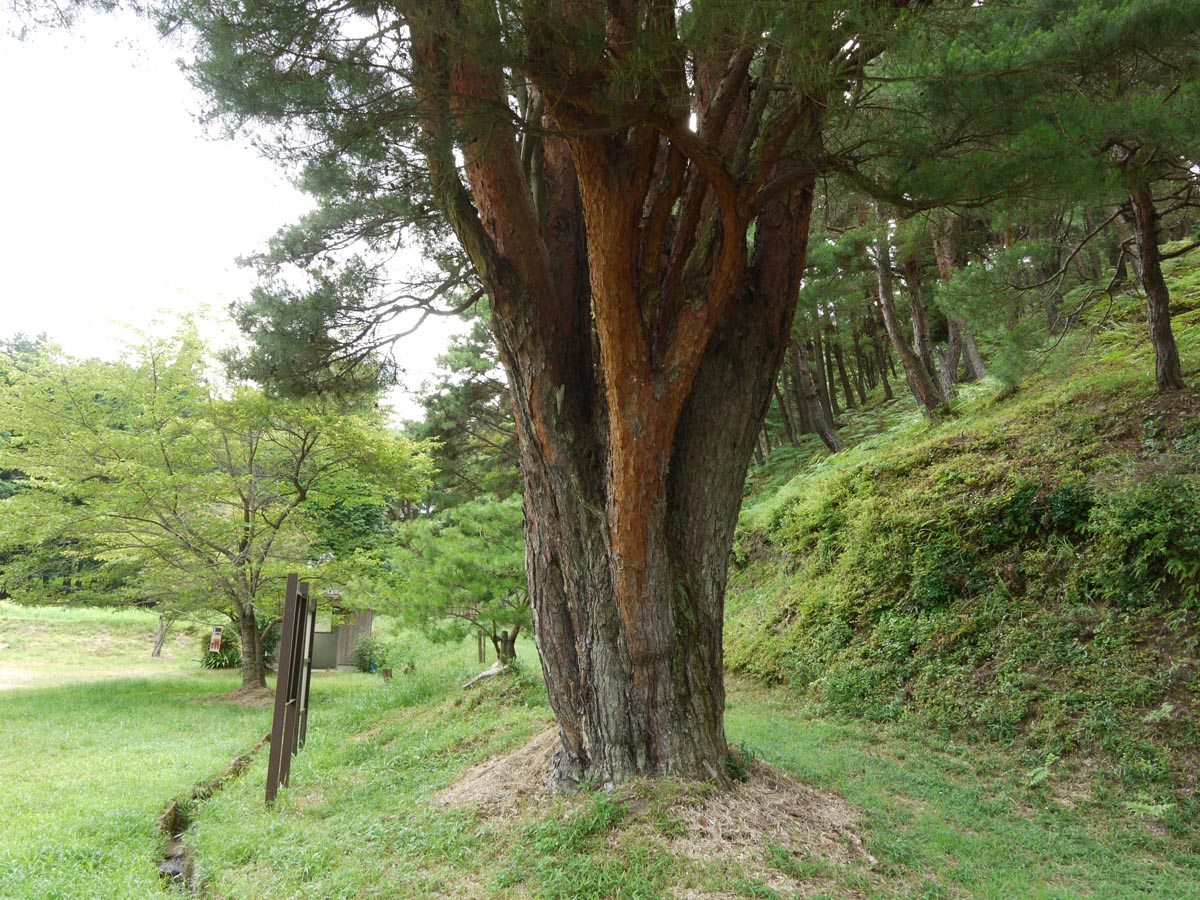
<point x="415" y="788"/>
<point x="1026" y="573"/>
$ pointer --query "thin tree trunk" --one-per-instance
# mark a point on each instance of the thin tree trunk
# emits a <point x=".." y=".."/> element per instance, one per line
<point x="830" y="383"/>
<point x="878" y="340"/>
<point x="789" y="426"/>
<point x="254" y="667"/>
<point x="959" y="334"/>
<point x="816" y="354"/>
<point x="1093" y="270"/>
<point x="160" y="636"/>
<point x="860" y="365"/>
<point x="818" y="413"/>
<point x="922" y="343"/>
<point x="1168" y="372"/>
<point x="505" y="644"/>
<point x="920" y="382"/>
<point x="838" y="356"/>
<point x="803" y="417"/>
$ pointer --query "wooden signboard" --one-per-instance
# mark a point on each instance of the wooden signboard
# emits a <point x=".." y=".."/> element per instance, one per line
<point x="290" y="723"/>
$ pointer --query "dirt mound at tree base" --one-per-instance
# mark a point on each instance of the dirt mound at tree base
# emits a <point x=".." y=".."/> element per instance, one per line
<point x="780" y="832"/>
<point x="498" y="786"/>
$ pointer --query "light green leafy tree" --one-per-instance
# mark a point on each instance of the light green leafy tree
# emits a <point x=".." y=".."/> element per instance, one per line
<point x="158" y="463"/>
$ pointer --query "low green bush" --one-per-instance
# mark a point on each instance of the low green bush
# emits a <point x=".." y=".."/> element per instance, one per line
<point x="228" y="657"/>
<point x="370" y="653"/>
<point x="1146" y="545"/>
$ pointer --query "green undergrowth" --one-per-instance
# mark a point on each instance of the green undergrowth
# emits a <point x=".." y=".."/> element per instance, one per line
<point x="85" y="771"/>
<point x="1025" y="574"/>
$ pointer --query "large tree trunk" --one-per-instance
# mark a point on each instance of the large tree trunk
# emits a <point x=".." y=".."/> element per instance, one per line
<point x="641" y="337"/>
<point x="972" y="358"/>
<point x="630" y="523"/>
<point x="949" y="357"/>
<point x="1168" y="373"/>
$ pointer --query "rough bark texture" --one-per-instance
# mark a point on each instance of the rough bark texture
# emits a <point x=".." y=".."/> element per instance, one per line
<point x="1168" y="372"/>
<point x="641" y="336"/>
<point x="972" y="358"/>
<point x="950" y="357"/>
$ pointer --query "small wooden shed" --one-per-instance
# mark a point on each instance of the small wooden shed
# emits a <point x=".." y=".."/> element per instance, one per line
<point x="334" y="644"/>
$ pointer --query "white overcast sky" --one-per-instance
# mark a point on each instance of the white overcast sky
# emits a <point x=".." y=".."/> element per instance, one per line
<point x="115" y="204"/>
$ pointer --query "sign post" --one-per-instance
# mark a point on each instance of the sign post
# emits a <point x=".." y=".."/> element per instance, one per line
<point x="291" y="687"/>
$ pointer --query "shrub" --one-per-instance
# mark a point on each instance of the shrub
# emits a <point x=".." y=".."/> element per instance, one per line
<point x="1147" y="544"/>
<point x="370" y="653"/>
<point x="228" y="657"/>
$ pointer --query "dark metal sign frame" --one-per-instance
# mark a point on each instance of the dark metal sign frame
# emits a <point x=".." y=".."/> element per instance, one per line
<point x="289" y="726"/>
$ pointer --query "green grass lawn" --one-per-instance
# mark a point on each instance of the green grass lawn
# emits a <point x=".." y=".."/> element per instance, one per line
<point x="86" y="768"/>
<point x="936" y="820"/>
<point x="90" y="754"/>
<point x="60" y="645"/>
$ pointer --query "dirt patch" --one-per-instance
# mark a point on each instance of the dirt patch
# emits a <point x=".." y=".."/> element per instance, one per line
<point x="249" y="697"/>
<point x="498" y="786"/>
<point x="771" y="826"/>
<point x="15" y="678"/>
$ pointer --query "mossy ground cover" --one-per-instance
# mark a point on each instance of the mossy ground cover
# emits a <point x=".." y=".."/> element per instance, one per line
<point x="1026" y="574"/>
